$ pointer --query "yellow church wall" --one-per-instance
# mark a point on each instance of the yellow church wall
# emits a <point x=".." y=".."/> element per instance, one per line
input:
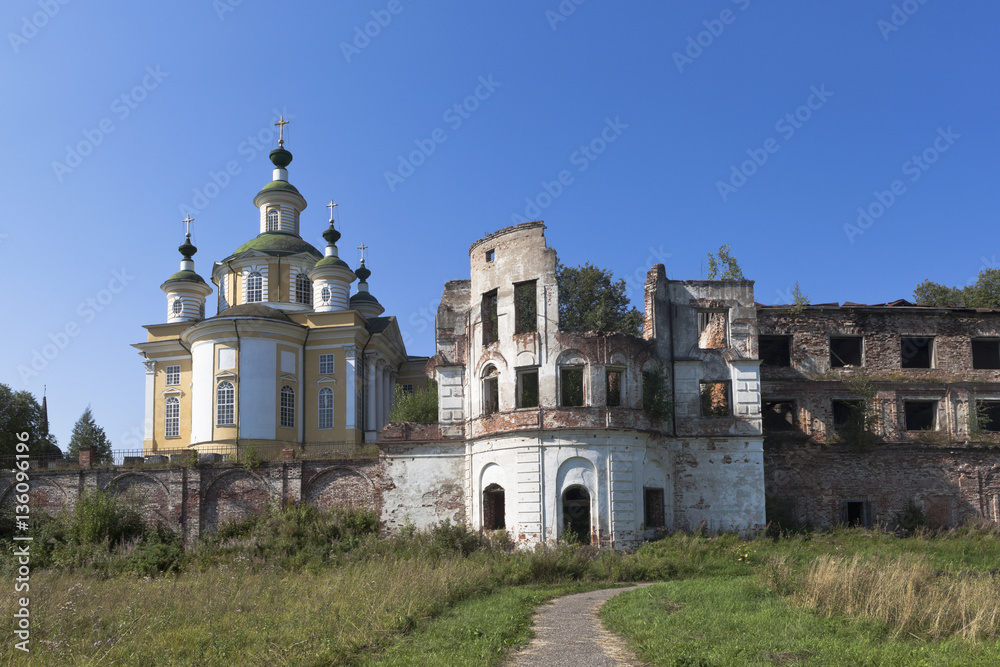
<point x="161" y="332"/>
<point x="222" y="433"/>
<point x="314" y="434"/>
<point x="281" y="379"/>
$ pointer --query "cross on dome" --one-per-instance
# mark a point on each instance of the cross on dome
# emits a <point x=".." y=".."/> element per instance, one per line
<point x="362" y="248"/>
<point x="281" y="130"/>
<point x="331" y="206"/>
<point x="187" y="224"/>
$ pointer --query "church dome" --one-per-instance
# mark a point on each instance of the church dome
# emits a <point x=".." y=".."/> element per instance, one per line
<point x="257" y="310"/>
<point x="278" y="244"/>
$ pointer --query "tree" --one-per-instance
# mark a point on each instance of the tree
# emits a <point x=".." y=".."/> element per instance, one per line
<point x="421" y="406"/>
<point x="20" y="413"/>
<point x="86" y="433"/>
<point x="591" y="300"/>
<point x="730" y="267"/>
<point x="799" y="300"/>
<point x="984" y="293"/>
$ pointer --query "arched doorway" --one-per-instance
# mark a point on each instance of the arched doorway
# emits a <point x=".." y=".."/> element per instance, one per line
<point x="493" y="508"/>
<point x="576" y="514"/>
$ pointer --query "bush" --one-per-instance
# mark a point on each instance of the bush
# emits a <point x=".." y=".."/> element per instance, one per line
<point x="421" y="406"/>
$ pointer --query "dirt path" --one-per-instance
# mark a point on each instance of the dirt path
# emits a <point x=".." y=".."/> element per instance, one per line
<point x="568" y="633"/>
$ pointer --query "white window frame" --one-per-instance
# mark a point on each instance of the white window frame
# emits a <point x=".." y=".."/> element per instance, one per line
<point x="257" y="291"/>
<point x="225" y="404"/>
<point x="272" y="225"/>
<point x="173" y="374"/>
<point x="325" y="359"/>
<point x="324" y="410"/>
<point x="287" y="407"/>
<point x="172" y="417"/>
<point x="303" y="289"/>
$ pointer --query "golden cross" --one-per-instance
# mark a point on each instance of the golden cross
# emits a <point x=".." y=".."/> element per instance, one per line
<point x="362" y="248"/>
<point x="281" y="130"/>
<point x="187" y="222"/>
<point x="331" y="206"/>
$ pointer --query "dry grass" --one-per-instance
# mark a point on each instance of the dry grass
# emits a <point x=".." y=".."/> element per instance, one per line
<point x="905" y="594"/>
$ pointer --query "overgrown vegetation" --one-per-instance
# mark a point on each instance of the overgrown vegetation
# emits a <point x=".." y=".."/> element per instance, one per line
<point x="419" y="406"/>
<point x="591" y="300"/>
<point x="984" y="293"/>
<point x="656" y="399"/>
<point x="860" y="429"/>
<point x="304" y="586"/>
<point x="724" y="266"/>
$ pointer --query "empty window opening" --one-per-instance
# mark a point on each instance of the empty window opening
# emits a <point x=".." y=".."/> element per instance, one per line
<point x="919" y="415"/>
<point x="775" y="350"/>
<point x="916" y="352"/>
<point x="525" y="307"/>
<point x="489" y="314"/>
<point x="576" y="515"/>
<point x="988" y="415"/>
<point x="715" y="399"/>
<point x="527" y="388"/>
<point x="848" y="415"/>
<point x="778" y="415"/>
<point x="986" y="353"/>
<point x="845" y="351"/>
<point x="653" y="508"/>
<point x="712" y="329"/>
<point x="856" y="513"/>
<point x="571" y="381"/>
<point x="493" y="508"/>
<point x="287" y="407"/>
<point x="613" y="387"/>
<point x="491" y="254"/>
<point x="491" y="394"/>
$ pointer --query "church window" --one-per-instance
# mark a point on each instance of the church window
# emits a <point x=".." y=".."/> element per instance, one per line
<point x="172" y="418"/>
<point x="490" y="319"/>
<point x="255" y="288"/>
<point x="715" y="399"/>
<point x="173" y="375"/>
<point x="177" y="306"/>
<point x="326" y="364"/>
<point x="326" y="295"/>
<point x="527" y="388"/>
<point x="571" y="386"/>
<point x="653" y="508"/>
<point x="303" y="289"/>
<point x="287" y="407"/>
<point x="525" y="307"/>
<point x="491" y="390"/>
<point x="272" y="220"/>
<point x="326" y="407"/>
<point x="225" y="404"/>
<point x="613" y="386"/>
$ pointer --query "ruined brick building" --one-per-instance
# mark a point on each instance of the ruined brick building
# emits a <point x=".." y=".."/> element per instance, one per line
<point x="724" y="413"/>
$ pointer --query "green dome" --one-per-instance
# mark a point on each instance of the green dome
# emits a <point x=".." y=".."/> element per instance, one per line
<point x="278" y="243"/>
<point x="189" y="276"/>
<point x="280" y="185"/>
<point x="333" y="261"/>
<point x="364" y="296"/>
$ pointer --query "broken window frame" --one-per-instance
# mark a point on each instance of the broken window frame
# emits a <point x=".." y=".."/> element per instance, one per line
<point x="909" y="408"/>
<point x="772" y="422"/>
<point x="526" y="307"/>
<point x="524" y="387"/>
<point x="987" y="347"/>
<point x="862" y="509"/>
<point x="705" y="318"/>
<point x="984" y="407"/>
<point x="494" y="508"/>
<point x="707" y="409"/>
<point x="654" y="508"/>
<point x="854" y="409"/>
<point x="609" y="389"/>
<point x="775" y="351"/>
<point x="490" y="318"/>
<point x="843" y="363"/>
<point x="491" y="390"/>
<point x="565" y="400"/>
<point x="910" y="351"/>
<point x="491" y="254"/>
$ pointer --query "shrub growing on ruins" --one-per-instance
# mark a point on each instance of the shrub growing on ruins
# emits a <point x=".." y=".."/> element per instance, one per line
<point x="590" y="300"/>
<point x="984" y="293"/>
<point x="724" y="263"/>
<point x="421" y="406"/>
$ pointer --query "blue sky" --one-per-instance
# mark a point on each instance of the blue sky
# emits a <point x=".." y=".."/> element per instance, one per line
<point x="640" y="132"/>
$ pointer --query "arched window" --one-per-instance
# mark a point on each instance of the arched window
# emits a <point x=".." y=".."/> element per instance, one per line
<point x="493" y="507"/>
<point x="326" y="407"/>
<point x="255" y="288"/>
<point x="225" y="404"/>
<point x="303" y="289"/>
<point x="223" y="303"/>
<point x="272" y="220"/>
<point x="172" y="428"/>
<point x="491" y="390"/>
<point x="287" y="407"/>
<point x="177" y="306"/>
<point x="326" y="295"/>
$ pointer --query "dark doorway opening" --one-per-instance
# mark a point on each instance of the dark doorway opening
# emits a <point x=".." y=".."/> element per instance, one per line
<point x="576" y="515"/>
<point x="493" y="508"/>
